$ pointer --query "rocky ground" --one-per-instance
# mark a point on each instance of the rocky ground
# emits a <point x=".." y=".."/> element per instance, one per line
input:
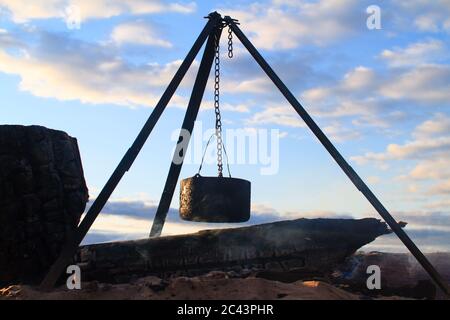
<point x="215" y="285"/>
<point x="401" y="274"/>
<point x="401" y="278"/>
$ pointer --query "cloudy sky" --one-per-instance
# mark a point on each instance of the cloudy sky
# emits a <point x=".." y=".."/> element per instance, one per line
<point x="96" y="68"/>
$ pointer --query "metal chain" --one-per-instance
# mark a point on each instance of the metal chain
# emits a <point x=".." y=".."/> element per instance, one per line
<point x="230" y="43"/>
<point x="219" y="141"/>
<point x="216" y="108"/>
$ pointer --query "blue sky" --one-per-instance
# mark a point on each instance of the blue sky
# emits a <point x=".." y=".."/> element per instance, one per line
<point x="382" y="96"/>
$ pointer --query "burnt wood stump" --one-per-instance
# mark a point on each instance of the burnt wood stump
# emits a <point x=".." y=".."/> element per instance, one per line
<point x="42" y="196"/>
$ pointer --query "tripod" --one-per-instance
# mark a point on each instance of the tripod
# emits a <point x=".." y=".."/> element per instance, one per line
<point x="211" y="34"/>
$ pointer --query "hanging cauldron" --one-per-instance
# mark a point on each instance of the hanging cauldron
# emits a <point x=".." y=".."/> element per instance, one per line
<point x="215" y="199"/>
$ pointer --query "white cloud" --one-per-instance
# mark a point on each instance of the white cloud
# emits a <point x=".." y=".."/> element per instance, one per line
<point x="417" y="53"/>
<point x="377" y="98"/>
<point x="428" y="16"/>
<point x="338" y="133"/>
<point x="434" y="168"/>
<point x="440" y="204"/>
<point x="68" y="69"/>
<point x="233" y="107"/>
<point x="424" y="81"/>
<point x="239" y="107"/>
<point x="362" y="91"/>
<point x="429" y="149"/>
<point x="410" y="150"/>
<point x="356" y="81"/>
<point x="22" y="11"/>
<point x="61" y="67"/>
<point x="355" y="96"/>
<point x="283" y="115"/>
<point x="430" y="141"/>
<point x="427" y="23"/>
<point x="441" y="188"/>
<point x="360" y="78"/>
<point x="373" y="180"/>
<point x="286" y="25"/>
<point x="438" y="125"/>
<point x="254" y="85"/>
<point x="138" y="33"/>
<point x="428" y="84"/>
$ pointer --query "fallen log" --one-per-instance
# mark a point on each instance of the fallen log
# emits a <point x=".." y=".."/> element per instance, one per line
<point x="312" y="246"/>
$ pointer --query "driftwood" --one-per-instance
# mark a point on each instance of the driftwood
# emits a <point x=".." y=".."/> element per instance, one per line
<point x="311" y="246"/>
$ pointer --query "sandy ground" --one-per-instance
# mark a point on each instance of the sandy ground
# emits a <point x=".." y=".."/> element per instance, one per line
<point x="215" y="285"/>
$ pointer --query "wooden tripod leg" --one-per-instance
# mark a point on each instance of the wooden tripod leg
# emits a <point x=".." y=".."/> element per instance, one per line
<point x="352" y="175"/>
<point x="72" y="244"/>
<point x="187" y="127"/>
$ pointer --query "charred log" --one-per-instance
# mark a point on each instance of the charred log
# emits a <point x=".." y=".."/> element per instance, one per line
<point x="311" y="246"/>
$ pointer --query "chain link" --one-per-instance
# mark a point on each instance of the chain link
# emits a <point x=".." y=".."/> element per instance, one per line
<point x="216" y="108"/>
<point x="230" y="43"/>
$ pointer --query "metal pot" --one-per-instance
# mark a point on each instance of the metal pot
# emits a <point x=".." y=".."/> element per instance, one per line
<point x="215" y="199"/>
